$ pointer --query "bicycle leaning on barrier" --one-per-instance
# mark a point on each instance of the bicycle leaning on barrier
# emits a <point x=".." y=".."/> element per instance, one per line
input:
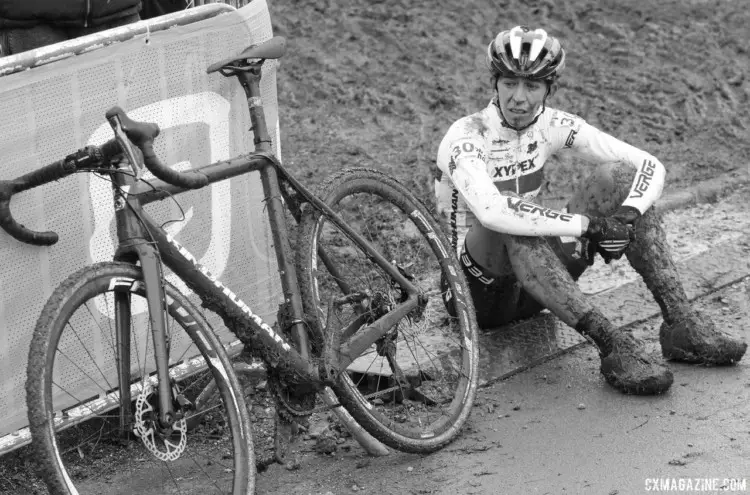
<point x="362" y="314"/>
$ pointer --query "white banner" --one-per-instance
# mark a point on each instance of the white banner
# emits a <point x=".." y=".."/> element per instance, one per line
<point x="157" y="75"/>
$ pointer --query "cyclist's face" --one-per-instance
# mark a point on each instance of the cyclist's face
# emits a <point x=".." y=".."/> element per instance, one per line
<point x="520" y="99"/>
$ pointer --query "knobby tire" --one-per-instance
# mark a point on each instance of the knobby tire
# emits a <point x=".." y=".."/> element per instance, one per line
<point x="222" y="445"/>
<point x="435" y="351"/>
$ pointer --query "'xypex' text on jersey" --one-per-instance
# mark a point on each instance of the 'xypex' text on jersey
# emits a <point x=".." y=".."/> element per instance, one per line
<point x="480" y="158"/>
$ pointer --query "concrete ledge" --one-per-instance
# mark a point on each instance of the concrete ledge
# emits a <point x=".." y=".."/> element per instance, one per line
<point x="711" y="248"/>
<point x="708" y="191"/>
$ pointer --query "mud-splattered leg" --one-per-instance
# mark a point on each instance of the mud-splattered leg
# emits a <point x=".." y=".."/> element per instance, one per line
<point x="685" y="334"/>
<point x="541" y="273"/>
<point x="624" y="364"/>
<point x="649" y="254"/>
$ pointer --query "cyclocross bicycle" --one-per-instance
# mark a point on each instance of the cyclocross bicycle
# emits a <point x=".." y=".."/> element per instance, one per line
<point x="363" y="313"/>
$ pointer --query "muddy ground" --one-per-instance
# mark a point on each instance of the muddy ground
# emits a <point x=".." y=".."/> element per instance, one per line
<point x="377" y="83"/>
<point x="558" y="429"/>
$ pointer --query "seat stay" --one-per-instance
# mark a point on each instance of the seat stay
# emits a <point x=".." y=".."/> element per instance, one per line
<point x="270" y="49"/>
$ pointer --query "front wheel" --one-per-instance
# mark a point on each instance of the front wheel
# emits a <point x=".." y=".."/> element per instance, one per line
<point x="414" y="388"/>
<point x="87" y="440"/>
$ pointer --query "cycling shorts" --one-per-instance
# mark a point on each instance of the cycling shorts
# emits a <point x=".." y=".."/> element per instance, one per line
<point x="499" y="300"/>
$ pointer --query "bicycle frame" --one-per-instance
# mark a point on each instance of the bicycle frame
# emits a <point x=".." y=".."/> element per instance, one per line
<point x="140" y="239"/>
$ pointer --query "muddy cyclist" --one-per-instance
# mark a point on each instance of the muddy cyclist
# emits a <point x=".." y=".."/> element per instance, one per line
<point x="521" y="257"/>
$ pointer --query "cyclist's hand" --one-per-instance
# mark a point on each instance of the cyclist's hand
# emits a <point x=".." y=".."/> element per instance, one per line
<point x="609" y="237"/>
<point x="592" y="248"/>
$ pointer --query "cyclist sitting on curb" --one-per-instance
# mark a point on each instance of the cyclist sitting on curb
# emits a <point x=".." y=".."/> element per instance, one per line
<point x="491" y="168"/>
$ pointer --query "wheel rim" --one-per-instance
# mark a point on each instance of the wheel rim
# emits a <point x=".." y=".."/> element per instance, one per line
<point x="100" y="455"/>
<point x="432" y="349"/>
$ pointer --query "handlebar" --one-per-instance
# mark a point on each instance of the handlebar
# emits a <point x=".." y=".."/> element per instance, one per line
<point x="86" y="157"/>
<point x="142" y="134"/>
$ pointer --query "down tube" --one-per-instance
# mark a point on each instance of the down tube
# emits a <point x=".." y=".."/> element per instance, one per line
<point x="237" y="316"/>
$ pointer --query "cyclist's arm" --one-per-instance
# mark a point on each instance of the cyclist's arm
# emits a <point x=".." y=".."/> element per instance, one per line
<point x="598" y="146"/>
<point x="496" y="211"/>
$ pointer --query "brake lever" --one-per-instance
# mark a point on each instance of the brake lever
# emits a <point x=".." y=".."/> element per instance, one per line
<point x="125" y="145"/>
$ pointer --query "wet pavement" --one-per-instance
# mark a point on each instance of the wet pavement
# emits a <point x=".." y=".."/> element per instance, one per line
<point x="545" y="422"/>
<point x="558" y="429"/>
<point x="514" y="348"/>
<point x="711" y="246"/>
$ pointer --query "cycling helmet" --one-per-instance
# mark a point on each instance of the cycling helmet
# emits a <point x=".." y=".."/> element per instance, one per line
<point x="523" y="52"/>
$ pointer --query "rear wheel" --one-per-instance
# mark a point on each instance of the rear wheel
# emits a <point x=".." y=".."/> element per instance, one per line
<point x="85" y="443"/>
<point x="414" y="388"/>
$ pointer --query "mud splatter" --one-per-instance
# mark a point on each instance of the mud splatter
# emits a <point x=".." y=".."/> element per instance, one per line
<point x="477" y="125"/>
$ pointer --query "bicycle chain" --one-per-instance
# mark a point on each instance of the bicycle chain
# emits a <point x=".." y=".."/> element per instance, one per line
<point x="287" y="410"/>
<point x="291" y="412"/>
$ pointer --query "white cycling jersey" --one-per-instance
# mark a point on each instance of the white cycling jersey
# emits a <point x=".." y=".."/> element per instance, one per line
<point x="480" y="158"/>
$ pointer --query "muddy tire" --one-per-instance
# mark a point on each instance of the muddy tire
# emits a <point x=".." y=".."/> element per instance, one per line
<point x="83" y="443"/>
<point x="435" y="351"/>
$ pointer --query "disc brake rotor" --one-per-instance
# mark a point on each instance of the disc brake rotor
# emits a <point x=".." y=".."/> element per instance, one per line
<point x="157" y="440"/>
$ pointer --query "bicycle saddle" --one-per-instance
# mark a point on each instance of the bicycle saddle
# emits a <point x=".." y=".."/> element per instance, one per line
<point x="269" y="49"/>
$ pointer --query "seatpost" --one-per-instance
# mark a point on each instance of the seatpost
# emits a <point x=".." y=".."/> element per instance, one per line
<point x="250" y="80"/>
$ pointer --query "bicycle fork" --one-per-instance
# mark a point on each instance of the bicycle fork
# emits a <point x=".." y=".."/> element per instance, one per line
<point x="134" y="247"/>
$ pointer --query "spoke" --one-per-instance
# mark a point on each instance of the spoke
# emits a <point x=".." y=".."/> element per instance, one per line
<point x="385" y="391"/>
<point x="184" y="352"/>
<point x="74" y="363"/>
<point x="78" y="402"/>
<point x="206" y="473"/>
<point x="144" y="375"/>
<point x="86" y="349"/>
<point x="110" y="338"/>
<point x="438" y="402"/>
<point x="203" y="412"/>
<point x="459" y="343"/>
<point x="86" y="440"/>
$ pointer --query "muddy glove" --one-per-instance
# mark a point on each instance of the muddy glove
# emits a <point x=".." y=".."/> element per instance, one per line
<point x="608" y="236"/>
<point x="627" y="215"/>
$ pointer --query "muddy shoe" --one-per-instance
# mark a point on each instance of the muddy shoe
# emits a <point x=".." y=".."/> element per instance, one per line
<point x="625" y="364"/>
<point x="695" y="339"/>
<point x="631" y="370"/>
